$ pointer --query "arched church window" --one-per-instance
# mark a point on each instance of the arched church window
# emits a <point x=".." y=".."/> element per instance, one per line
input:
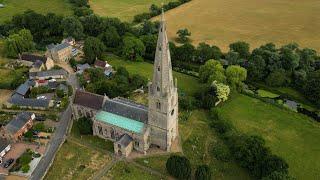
<point x="158" y="68"/>
<point x="158" y="105"/>
<point x="172" y="112"/>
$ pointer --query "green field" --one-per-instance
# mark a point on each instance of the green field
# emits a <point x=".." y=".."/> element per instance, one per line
<point x="126" y="171"/>
<point x="74" y="161"/>
<point x="13" y="7"/>
<point x="222" y="22"/>
<point x="186" y="83"/>
<point x="289" y="135"/>
<point x="123" y="9"/>
<point x="197" y="145"/>
<point x="267" y="94"/>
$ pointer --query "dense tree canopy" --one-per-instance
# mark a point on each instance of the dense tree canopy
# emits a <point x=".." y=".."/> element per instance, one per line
<point x="236" y="75"/>
<point x="203" y="172"/>
<point x="179" y="167"/>
<point x="183" y="35"/>
<point x="133" y="48"/>
<point x="72" y="27"/>
<point x="212" y="70"/>
<point x="110" y="37"/>
<point x="242" y="48"/>
<point x="18" y="43"/>
<point x="93" y="49"/>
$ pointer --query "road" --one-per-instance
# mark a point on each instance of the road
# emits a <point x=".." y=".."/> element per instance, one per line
<point x="58" y="137"/>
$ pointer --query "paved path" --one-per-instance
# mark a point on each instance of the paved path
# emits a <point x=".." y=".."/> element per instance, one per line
<point x="58" y="137"/>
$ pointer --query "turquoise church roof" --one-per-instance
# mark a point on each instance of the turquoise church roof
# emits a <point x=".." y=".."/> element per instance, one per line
<point x="120" y="121"/>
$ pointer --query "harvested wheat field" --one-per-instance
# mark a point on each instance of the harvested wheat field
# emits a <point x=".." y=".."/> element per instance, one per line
<point x="222" y="22"/>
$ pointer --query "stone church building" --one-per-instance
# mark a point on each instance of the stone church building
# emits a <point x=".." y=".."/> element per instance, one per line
<point x="133" y="126"/>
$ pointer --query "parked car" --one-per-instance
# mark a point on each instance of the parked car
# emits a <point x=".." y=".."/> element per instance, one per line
<point x="8" y="163"/>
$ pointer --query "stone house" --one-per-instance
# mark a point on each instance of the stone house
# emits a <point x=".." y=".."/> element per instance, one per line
<point x="16" y="128"/>
<point x="30" y="60"/>
<point x="70" y="40"/>
<point x="59" y="52"/>
<point x="37" y="66"/>
<point x="4" y="148"/>
<point x="86" y="104"/>
<point x="105" y="66"/>
<point x="50" y="74"/>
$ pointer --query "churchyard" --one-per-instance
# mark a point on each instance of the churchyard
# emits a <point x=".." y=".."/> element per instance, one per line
<point x="12" y="7"/>
<point x="220" y="22"/>
<point x="123" y="9"/>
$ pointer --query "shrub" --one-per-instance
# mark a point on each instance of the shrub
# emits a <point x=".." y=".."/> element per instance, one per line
<point x="25" y="168"/>
<point x="85" y="125"/>
<point x="179" y="167"/>
<point x="39" y="127"/>
<point x="203" y="173"/>
<point x="221" y="152"/>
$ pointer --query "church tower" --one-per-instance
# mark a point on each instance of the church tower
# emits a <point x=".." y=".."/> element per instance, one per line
<point x="163" y="95"/>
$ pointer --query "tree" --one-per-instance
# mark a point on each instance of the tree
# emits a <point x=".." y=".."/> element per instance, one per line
<point x="72" y="27"/>
<point x="18" y="43"/>
<point x="240" y="47"/>
<point x="312" y="87"/>
<point x="233" y="58"/>
<point x="150" y="42"/>
<point x="278" y="78"/>
<point x="84" y="125"/>
<point x="82" y="11"/>
<point x="222" y="91"/>
<point x="256" y="68"/>
<point x="122" y="71"/>
<point x="203" y="173"/>
<point x="60" y="93"/>
<point x="207" y="97"/>
<point x="212" y="70"/>
<point x="204" y="52"/>
<point x="185" y="53"/>
<point x="179" y="167"/>
<point x="183" y="35"/>
<point x="289" y="58"/>
<point x="138" y="81"/>
<point x="133" y="48"/>
<point x="110" y="37"/>
<point x="93" y="49"/>
<point x="307" y="59"/>
<point x="236" y="75"/>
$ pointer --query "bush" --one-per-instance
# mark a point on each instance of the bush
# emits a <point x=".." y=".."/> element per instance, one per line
<point x="39" y="127"/>
<point x="25" y="168"/>
<point x="203" y="173"/>
<point x="221" y="152"/>
<point x="179" y="167"/>
<point x="85" y="125"/>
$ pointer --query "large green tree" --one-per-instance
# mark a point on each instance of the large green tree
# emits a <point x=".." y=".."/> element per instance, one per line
<point x="18" y="43"/>
<point x="110" y="37"/>
<point x="312" y="87"/>
<point x="242" y="48"/>
<point x="212" y="70"/>
<point x="133" y="48"/>
<point x="236" y="75"/>
<point x="179" y="167"/>
<point x="183" y="35"/>
<point x="72" y="27"/>
<point x="93" y="48"/>
<point x="203" y="172"/>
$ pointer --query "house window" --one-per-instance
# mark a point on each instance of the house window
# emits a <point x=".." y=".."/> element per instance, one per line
<point x="158" y="105"/>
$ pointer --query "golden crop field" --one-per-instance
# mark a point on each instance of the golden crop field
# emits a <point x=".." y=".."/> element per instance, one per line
<point x="123" y="9"/>
<point x="222" y="22"/>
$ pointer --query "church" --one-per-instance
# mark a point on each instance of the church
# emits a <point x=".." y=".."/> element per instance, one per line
<point x="133" y="126"/>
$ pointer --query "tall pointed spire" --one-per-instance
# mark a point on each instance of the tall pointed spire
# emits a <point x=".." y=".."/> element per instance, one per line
<point x="162" y="81"/>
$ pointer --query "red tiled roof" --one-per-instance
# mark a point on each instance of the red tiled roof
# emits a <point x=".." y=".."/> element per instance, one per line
<point x="100" y="63"/>
<point x="88" y="99"/>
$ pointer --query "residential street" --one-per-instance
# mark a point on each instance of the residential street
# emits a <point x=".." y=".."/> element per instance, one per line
<point x="58" y="138"/>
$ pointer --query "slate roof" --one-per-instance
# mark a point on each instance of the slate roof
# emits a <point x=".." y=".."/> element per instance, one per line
<point x="37" y="64"/>
<point x="87" y="99"/>
<point x="53" y="84"/>
<point x="100" y="63"/>
<point x="58" y="47"/>
<point x="33" y="58"/>
<point x="17" y="123"/>
<point x="19" y="100"/>
<point x="53" y="72"/>
<point x="3" y="144"/>
<point x="82" y="67"/>
<point x="126" y="108"/>
<point x="125" y="140"/>
<point x="23" y="89"/>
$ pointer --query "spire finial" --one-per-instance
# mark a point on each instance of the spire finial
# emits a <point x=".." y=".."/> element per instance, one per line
<point x="162" y="12"/>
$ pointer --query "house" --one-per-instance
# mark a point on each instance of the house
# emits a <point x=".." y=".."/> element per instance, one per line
<point x="87" y="104"/>
<point x="16" y="128"/>
<point x="37" y="66"/>
<point x="70" y="40"/>
<point x="50" y="74"/>
<point x="4" y="148"/>
<point x="30" y="60"/>
<point x="59" y="52"/>
<point x="82" y="67"/>
<point x="104" y="65"/>
<point x="30" y="103"/>
<point x="23" y="89"/>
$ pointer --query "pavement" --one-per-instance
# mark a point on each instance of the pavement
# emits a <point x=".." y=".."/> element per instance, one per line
<point x="58" y="137"/>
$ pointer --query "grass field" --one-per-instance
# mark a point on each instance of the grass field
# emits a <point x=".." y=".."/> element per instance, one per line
<point x="267" y="94"/>
<point x="197" y="145"/>
<point x="222" y="22"/>
<point x="13" y="7"/>
<point x="186" y="83"/>
<point x="126" y="171"/>
<point x="123" y="9"/>
<point x="74" y="161"/>
<point x="288" y="134"/>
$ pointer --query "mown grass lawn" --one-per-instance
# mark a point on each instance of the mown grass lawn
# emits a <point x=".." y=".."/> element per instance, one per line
<point x="290" y="135"/>
<point x="186" y="84"/>
<point x="127" y="171"/>
<point x="74" y="161"/>
<point x="198" y="140"/>
<point x="123" y="9"/>
<point x="13" y="7"/>
<point x="267" y="94"/>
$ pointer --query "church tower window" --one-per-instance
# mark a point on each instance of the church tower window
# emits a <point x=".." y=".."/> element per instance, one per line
<point x="158" y="105"/>
<point x="172" y="112"/>
<point x="158" y="88"/>
<point x="158" y="68"/>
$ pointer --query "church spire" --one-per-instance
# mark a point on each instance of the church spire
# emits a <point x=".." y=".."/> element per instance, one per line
<point x="162" y="82"/>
